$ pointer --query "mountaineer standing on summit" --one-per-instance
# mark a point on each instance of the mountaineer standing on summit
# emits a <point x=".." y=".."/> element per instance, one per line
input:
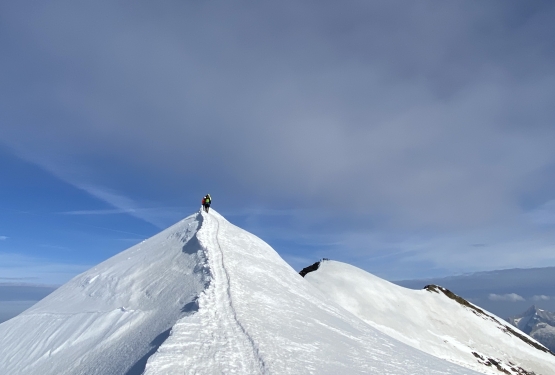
<point x="206" y="202"/>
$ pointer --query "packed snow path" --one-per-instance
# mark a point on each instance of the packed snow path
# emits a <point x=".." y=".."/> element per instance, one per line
<point x="214" y="337"/>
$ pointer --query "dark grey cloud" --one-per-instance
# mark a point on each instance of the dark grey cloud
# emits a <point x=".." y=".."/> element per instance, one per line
<point x="430" y="114"/>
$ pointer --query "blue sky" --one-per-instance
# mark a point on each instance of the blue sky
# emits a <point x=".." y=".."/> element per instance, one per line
<point x="412" y="139"/>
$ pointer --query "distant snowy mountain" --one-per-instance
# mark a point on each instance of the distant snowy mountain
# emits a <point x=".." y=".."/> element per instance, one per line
<point x="435" y="321"/>
<point x="538" y="323"/>
<point x="206" y="297"/>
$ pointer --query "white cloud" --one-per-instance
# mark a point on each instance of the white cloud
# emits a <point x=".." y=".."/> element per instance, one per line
<point x="2" y="238"/>
<point x="511" y="297"/>
<point x="158" y="216"/>
<point x="121" y="203"/>
<point x="541" y="298"/>
<point x="419" y="148"/>
<point x="114" y="211"/>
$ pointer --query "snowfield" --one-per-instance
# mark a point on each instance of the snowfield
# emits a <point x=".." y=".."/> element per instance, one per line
<point x="106" y="320"/>
<point x="206" y="297"/>
<point x="433" y="322"/>
<point x="259" y="316"/>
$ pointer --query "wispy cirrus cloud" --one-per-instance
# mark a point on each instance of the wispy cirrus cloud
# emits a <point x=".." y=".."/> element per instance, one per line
<point x="114" y="211"/>
<point x="78" y="178"/>
<point x="122" y="204"/>
<point x="152" y="212"/>
<point x="160" y="217"/>
<point x="125" y="205"/>
<point x="3" y="238"/>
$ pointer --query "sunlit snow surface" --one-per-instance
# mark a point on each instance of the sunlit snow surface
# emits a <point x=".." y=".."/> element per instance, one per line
<point x="260" y="317"/>
<point x="232" y="304"/>
<point x="429" y="321"/>
<point x="107" y="320"/>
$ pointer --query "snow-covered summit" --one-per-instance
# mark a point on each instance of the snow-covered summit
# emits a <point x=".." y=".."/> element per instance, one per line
<point x="435" y="321"/>
<point x="202" y="297"/>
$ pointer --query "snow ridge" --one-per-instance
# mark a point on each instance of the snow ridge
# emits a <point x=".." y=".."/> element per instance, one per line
<point x="439" y="323"/>
<point x="213" y="340"/>
<point x="219" y="259"/>
<point x="233" y="305"/>
<point x="258" y="316"/>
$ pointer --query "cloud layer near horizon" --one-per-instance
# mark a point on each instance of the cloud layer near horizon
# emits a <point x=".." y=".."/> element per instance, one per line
<point x="409" y="116"/>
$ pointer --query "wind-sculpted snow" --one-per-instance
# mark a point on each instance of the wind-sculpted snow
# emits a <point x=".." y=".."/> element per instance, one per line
<point x="435" y="321"/>
<point x="213" y="341"/>
<point x="109" y="319"/>
<point x="208" y="298"/>
<point x="260" y="317"/>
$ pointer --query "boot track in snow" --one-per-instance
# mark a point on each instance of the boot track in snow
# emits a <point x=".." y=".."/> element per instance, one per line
<point x="243" y="342"/>
<point x="214" y="339"/>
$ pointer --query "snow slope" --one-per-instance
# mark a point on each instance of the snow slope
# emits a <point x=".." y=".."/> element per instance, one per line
<point x="260" y="317"/>
<point x="232" y="304"/>
<point x="434" y="321"/>
<point x="109" y="319"/>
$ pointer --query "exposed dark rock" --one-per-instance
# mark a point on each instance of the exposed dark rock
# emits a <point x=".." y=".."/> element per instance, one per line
<point x="490" y="362"/>
<point x="309" y="269"/>
<point x="498" y="366"/>
<point x="312" y="267"/>
<point x="478" y="356"/>
<point x="453" y="296"/>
